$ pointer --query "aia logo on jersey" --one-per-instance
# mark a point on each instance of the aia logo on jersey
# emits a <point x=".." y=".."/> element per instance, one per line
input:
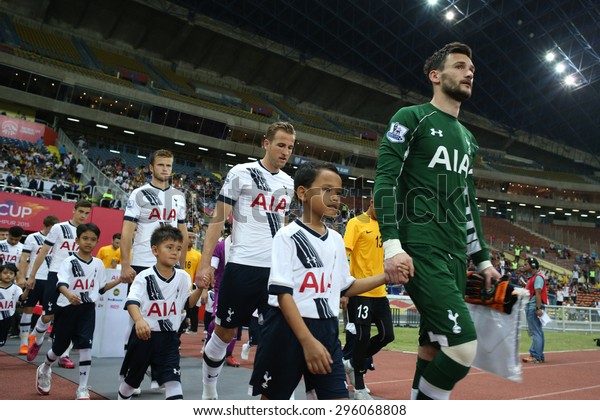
<point x="69" y="246"/>
<point x="83" y="284"/>
<point x="162" y="309"/>
<point x="9" y="259"/>
<point x="272" y="204"/>
<point x="163" y="214"/>
<point x="7" y="305"/>
<point x="316" y="285"/>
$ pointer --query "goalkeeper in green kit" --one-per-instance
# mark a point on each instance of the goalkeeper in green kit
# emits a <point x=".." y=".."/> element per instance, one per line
<point x="427" y="212"/>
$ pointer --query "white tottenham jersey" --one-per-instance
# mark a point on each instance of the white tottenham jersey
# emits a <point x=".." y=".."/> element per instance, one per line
<point x="312" y="268"/>
<point x="260" y="201"/>
<point x="83" y="278"/>
<point x="10" y="254"/>
<point x="151" y="207"/>
<point x="8" y="300"/>
<point x="162" y="301"/>
<point x="62" y="240"/>
<point x="33" y="244"/>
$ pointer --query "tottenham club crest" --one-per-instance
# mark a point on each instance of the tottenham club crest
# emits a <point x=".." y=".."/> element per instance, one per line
<point x="396" y="133"/>
<point x="453" y="317"/>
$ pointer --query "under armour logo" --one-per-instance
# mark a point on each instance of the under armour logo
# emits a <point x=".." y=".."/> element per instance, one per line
<point x="435" y="132"/>
<point x="177" y="371"/>
<point x="456" y="328"/>
<point x="267" y="378"/>
<point x="212" y="376"/>
<point x="229" y="312"/>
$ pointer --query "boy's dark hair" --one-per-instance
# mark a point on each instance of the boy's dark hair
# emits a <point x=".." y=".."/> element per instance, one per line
<point x="10" y="267"/>
<point x="116" y="236"/>
<point x="88" y="227"/>
<point x="164" y="233"/>
<point x="438" y="59"/>
<point x="307" y="173"/>
<point x="16" y="231"/>
<point x="50" y="220"/>
<point x="83" y="203"/>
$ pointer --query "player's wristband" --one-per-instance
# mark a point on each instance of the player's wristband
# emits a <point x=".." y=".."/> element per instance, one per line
<point x="483" y="265"/>
<point x="392" y="247"/>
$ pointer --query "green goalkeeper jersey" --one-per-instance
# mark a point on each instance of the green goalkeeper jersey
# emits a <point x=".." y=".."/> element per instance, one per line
<point x="424" y="191"/>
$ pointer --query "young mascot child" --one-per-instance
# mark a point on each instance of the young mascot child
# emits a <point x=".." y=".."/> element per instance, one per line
<point x="309" y="273"/>
<point x="81" y="279"/>
<point x="10" y="295"/>
<point x="157" y="302"/>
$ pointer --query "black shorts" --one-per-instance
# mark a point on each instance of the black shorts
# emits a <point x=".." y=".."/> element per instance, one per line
<point x="5" y="325"/>
<point x="36" y="294"/>
<point x="365" y="310"/>
<point x="160" y="353"/>
<point x="74" y="323"/>
<point x="279" y="364"/>
<point x="243" y="289"/>
<point x="50" y="294"/>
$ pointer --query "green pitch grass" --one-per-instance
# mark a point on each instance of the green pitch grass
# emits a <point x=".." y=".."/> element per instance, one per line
<point x="406" y="340"/>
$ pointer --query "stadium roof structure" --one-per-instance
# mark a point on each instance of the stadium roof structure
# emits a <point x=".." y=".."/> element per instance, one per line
<point x="364" y="58"/>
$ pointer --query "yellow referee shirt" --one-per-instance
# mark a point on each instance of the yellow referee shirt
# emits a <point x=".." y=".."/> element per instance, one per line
<point x="107" y="254"/>
<point x="364" y="247"/>
<point x="192" y="262"/>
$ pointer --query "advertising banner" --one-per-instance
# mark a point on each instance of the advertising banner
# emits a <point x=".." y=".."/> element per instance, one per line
<point x="16" y="128"/>
<point x="112" y="320"/>
<point x="29" y="213"/>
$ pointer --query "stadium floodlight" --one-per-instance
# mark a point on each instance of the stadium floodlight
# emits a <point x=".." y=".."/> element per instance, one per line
<point x="551" y="212"/>
<point x="559" y="209"/>
<point x="537" y="207"/>
<point x="550" y="56"/>
<point x="231" y="154"/>
<point x="567" y="214"/>
<point x="114" y="151"/>
<point x="141" y="156"/>
<point x="560" y="67"/>
<point x="352" y="178"/>
<point x="178" y="143"/>
<point x="128" y="132"/>
<point x="252" y="158"/>
<point x="102" y="126"/>
<point x="432" y="2"/>
<point x="202" y="148"/>
<point x="584" y="215"/>
<point x="370" y="181"/>
<point x="522" y="204"/>
<point x="570" y="80"/>
<point x="449" y="15"/>
<point x="72" y="119"/>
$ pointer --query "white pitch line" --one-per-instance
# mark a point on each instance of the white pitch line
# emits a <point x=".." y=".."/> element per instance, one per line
<point x="558" y="392"/>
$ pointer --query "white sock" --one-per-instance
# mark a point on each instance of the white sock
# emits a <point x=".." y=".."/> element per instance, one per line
<point x="173" y="390"/>
<point x="215" y="351"/>
<point x="125" y="391"/>
<point x="25" y="327"/>
<point x="85" y="365"/>
<point x="40" y="331"/>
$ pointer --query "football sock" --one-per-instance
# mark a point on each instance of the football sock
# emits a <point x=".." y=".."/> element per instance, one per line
<point x="214" y="355"/>
<point x="40" y="330"/>
<point x="173" y="390"/>
<point x="439" y="378"/>
<point x="85" y="364"/>
<point x="25" y="327"/>
<point x="421" y="366"/>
